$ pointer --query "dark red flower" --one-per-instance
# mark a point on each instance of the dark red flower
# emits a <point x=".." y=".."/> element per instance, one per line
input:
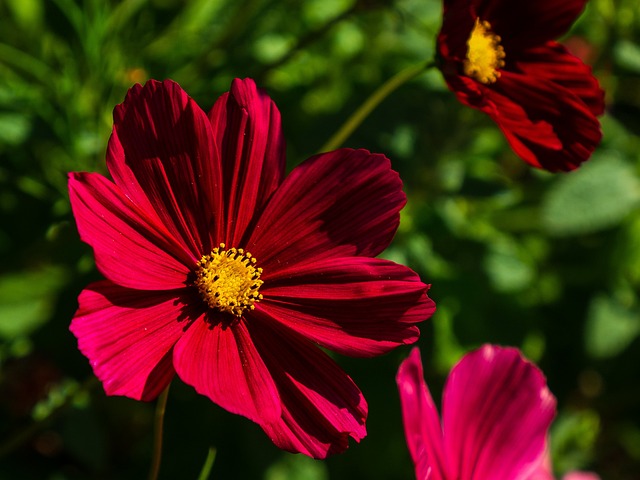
<point x="499" y="56"/>
<point x="223" y="271"/>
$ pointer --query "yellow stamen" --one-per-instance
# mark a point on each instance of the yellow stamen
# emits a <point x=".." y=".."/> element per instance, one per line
<point x="485" y="55"/>
<point x="228" y="280"/>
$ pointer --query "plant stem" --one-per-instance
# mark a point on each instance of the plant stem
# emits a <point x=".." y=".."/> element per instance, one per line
<point x="208" y="464"/>
<point x="157" y="434"/>
<point x="372" y="102"/>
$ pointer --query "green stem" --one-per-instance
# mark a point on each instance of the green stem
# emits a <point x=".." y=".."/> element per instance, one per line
<point x="157" y="434"/>
<point x="208" y="464"/>
<point x="372" y="102"/>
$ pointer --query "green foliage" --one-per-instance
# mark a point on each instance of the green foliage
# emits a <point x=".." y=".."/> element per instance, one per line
<point x="26" y="299"/>
<point x="611" y="327"/>
<point x="597" y="196"/>
<point x="573" y="439"/>
<point x="294" y="467"/>
<point x="548" y="263"/>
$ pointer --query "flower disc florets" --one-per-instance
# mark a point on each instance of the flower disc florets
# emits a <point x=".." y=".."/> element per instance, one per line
<point x="485" y="54"/>
<point x="228" y="280"/>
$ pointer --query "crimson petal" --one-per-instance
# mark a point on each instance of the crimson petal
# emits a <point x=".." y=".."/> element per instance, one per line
<point x="221" y="362"/>
<point x="161" y="154"/>
<point x="321" y="406"/>
<point x="552" y="62"/>
<point x="528" y="105"/>
<point x="128" y="336"/>
<point x="130" y="248"/>
<point x="355" y="306"/>
<point x="338" y="204"/>
<point x="246" y="125"/>
<point x="497" y="411"/>
<point x="524" y="24"/>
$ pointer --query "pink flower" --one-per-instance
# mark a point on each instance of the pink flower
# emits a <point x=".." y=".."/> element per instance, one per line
<point x="580" y="476"/>
<point x="223" y="271"/>
<point x="544" y="471"/>
<point x="496" y="412"/>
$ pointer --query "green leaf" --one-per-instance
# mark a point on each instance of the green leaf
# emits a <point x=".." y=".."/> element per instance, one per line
<point x="573" y="437"/>
<point x="597" y="196"/>
<point x="27" y="13"/>
<point x="26" y="299"/>
<point x="292" y="467"/>
<point x="627" y="55"/>
<point x="14" y="128"/>
<point x="507" y="269"/>
<point x="610" y="327"/>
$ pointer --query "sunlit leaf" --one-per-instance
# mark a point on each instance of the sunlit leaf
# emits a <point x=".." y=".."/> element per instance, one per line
<point x="291" y="467"/>
<point x="596" y="196"/>
<point x="26" y="300"/>
<point x="610" y="327"/>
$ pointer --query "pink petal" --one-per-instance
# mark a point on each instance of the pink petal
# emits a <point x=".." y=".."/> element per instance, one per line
<point x="128" y="335"/>
<point x="246" y="125"/>
<point x="355" y="306"/>
<point x="338" y="204"/>
<point x="543" y="469"/>
<point x="161" y="154"/>
<point x="580" y="476"/>
<point x="497" y="411"/>
<point x="421" y="422"/>
<point x="130" y="248"/>
<point x="321" y="406"/>
<point x="221" y="362"/>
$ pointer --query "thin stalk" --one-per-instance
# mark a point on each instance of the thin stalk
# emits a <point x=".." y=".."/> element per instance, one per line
<point x="208" y="464"/>
<point x="372" y="102"/>
<point x="157" y="434"/>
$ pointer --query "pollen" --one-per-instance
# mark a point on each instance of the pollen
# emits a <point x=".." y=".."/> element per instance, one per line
<point x="485" y="55"/>
<point x="228" y="280"/>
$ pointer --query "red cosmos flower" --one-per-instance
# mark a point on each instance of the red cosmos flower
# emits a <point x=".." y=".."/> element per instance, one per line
<point x="499" y="56"/>
<point x="223" y="271"/>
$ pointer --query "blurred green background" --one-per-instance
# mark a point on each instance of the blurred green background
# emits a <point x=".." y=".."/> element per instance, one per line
<point x="548" y="263"/>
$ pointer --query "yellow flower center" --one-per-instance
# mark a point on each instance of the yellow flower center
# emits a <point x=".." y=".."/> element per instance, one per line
<point x="485" y="54"/>
<point x="228" y="280"/>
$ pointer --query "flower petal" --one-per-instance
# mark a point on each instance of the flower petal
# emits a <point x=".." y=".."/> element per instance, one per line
<point x="338" y="204"/>
<point x="321" y="406"/>
<point x="355" y="306"/>
<point x="128" y="335"/>
<point x="525" y="24"/>
<point x="130" y="248"/>
<point x="221" y="362"/>
<point x="527" y="106"/>
<point x="545" y="106"/>
<point x="552" y="62"/>
<point x="161" y="154"/>
<point x="497" y="411"/>
<point x="246" y="125"/>
<point x="544" y="469"/>
<point x="421" y="421"/>
<point x="575" y="475"/>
